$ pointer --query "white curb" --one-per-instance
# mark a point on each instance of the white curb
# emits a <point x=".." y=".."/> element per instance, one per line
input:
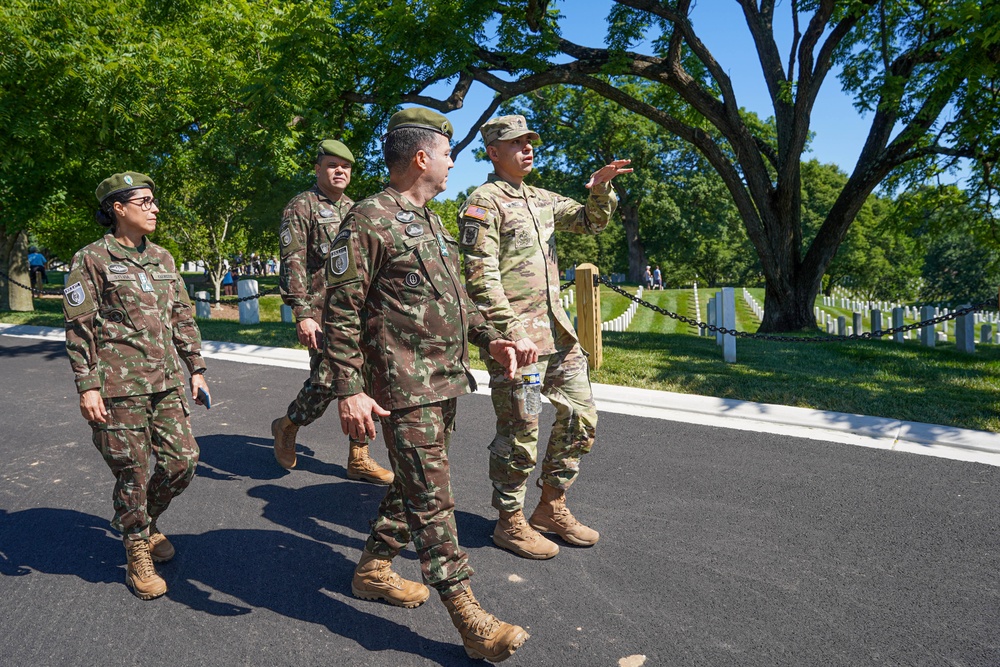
<point x="877" y="432"/>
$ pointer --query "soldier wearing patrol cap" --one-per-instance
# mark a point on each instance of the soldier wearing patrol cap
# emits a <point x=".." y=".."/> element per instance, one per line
<point x="397" y="326"/>
<point x="512" y="274"/>
<point x="308" y="225"/>
<point x="129" y="328"/>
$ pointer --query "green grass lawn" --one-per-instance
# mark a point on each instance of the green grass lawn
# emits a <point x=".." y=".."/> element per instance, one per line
<point x="903" y="381"/>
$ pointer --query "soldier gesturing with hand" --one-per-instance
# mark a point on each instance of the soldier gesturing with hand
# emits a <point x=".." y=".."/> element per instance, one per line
<point x="507" y="233"/>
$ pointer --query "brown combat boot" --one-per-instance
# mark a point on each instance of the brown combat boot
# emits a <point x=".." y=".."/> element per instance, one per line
<point x="515" y="535"/>
<point x="160" y="548"/>
<point x="553" y="516"/>
<point x="140" y="575"/>
<point x="484" y="635"/>
<point x="375" y="580"/>
<point x="363" y="467"/>
<point x="284" y="430"/>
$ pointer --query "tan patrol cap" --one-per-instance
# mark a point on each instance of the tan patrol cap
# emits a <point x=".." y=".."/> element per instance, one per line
<point x="503" y="128"/>
<point x="426" y="119"/>
<point x="335" y="148"/>
<point x="128" y="180"/>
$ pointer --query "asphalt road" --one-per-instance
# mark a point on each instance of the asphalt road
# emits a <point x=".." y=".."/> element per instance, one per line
<point x="718" y="547"/>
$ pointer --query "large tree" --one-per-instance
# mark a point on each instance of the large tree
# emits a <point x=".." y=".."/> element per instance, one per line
<point x="925" y="71"/>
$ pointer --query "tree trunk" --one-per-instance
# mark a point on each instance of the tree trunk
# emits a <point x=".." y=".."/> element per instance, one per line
<point x="636" y="251"/>
<point x="789" y="306"/>
<point x="14" y="263"/>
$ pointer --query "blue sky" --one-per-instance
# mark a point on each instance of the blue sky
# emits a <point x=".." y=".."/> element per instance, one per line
<point x="839" y="129"/>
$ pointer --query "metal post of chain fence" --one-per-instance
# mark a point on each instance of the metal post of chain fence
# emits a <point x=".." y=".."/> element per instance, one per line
<point x="249" y="308"/>
<point x="588" y="312"/>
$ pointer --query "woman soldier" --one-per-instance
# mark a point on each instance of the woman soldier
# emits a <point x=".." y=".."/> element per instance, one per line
<point x="128" y="326"/>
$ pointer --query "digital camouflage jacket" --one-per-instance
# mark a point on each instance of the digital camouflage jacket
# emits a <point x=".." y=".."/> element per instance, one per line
<point x="128" y="317"/>
<point x="395" y="302"/>
<point x="308" y="225"/>
<point x="511" y="268"/>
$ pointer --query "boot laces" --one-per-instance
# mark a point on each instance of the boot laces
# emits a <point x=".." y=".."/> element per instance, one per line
<point x="141" y="562"/>
<point x="562" y="514"/>
<point x="473" y="615"/>
<point x="386" y="575"/>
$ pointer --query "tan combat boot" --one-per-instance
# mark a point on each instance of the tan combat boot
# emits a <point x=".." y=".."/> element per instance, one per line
<point x="515" y="535"/>
<point x="160" y="548"/>
<point x="375" y="580"/>
<point x="140" y="575"/>
<point x="552" y="516"/>
<point x="363" y="467"/>
<point x="484" y="635"/>
<point x="284" y="430"/>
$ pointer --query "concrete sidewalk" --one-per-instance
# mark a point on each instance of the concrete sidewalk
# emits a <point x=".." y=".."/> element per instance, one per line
<point x="860" y="430"/>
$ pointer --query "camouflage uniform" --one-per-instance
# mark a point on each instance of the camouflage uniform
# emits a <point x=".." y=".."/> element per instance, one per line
<point x="512" y="274"/>
<point x="308" y="225"/>
<point x="129" y="324"/>
<point x="396" y="307"/>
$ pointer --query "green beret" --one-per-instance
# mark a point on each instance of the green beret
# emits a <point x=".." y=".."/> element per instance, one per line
<point x="426" y="119"/>
<point x="129" y="180"/>
<point x="336" y="149"/>
<point x="503" y="128"/>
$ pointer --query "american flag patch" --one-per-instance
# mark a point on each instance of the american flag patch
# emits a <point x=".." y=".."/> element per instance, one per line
<point x="475" y="212"/>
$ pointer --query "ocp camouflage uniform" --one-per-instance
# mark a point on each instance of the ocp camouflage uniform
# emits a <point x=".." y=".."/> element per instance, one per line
<point x="512" y="274"/>
<point x="129" y="325"/>
<point x="396" y="306"/>
<point x="308" y="225"/>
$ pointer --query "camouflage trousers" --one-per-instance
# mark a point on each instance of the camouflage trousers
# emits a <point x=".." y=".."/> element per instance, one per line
<point x="148" y="444"/>
<point x="514" y="450"/>
<point x="419" y="504"/>
<point x="316" y="393"/>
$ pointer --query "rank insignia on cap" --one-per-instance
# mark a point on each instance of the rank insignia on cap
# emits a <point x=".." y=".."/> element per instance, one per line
<point x="338" y="261"/>
<point x="405" y="216"/>
<point x="326" y="213"/>
<point x="127" y="179"/>
<point x="475" y="212"/>
<point x="414" y="229"/>
<point x="74" y="294"/>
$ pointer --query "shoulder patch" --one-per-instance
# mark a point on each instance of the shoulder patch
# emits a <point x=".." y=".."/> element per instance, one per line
<point x="342" y="236"/>
<point x="76" y="297"/>
<point x="341" y="266"/>
<point x="475" y="212"/>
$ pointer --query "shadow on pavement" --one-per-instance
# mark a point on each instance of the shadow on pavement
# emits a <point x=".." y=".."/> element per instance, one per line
<point x="46" y="349"/>
<point x="59" y="541"/>
<point x="226" y="456"/>
<point x="289" y="575"/>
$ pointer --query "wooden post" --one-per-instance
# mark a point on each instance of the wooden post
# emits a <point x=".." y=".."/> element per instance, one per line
<point x="588" y="312"/>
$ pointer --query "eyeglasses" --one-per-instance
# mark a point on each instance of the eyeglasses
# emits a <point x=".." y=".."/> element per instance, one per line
<point x="145" y="203"/>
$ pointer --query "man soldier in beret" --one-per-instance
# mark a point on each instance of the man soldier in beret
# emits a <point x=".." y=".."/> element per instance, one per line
<point x="512" y="274"/>
<point x="397" y="326"/>
<point x="308" y="225"/>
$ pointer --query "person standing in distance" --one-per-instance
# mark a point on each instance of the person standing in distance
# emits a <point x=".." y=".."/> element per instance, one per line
<point x="397" y="325"/>
<point x="308" y="225"/>
<point x="129" y="326"/>
<point x="512" y="274"/>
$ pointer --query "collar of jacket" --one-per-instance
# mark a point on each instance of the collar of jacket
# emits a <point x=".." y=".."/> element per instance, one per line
<point x="508" y="189"/>
<point x="116" y="251"/>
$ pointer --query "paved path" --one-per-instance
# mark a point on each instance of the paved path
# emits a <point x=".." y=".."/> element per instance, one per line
<point x="719" y="547"/>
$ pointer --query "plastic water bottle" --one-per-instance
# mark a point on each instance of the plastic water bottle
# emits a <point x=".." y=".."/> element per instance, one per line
<point x="531" y="384"/>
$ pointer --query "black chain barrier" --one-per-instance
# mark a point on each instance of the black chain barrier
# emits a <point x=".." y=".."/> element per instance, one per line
<point x="57" y="292"/>
<point x="867" y="335"/>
